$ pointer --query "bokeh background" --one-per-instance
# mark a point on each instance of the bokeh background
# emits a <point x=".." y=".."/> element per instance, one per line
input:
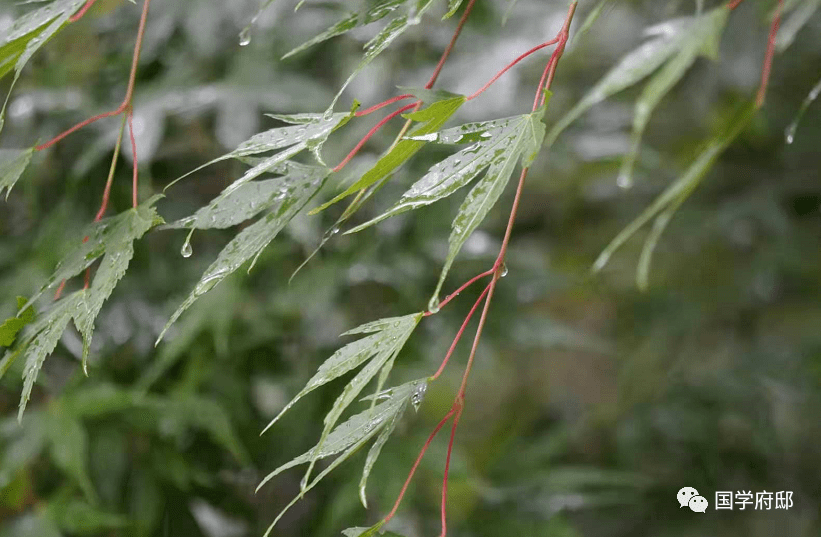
<point x="591" y="403"/>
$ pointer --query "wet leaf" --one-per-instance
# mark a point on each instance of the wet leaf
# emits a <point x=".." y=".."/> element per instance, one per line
<point x="794" y="22"/>
<point x="27" y="34"/>
<point x="702" y="40"/>
<point x="308" y="131"/>
<point x="387" y="339"/>
<point x="682" y="187"/>
<point x="631" y="69"/>
<point x="352" y="20"/>
<point x="492" y="143"/>
<point x="431" y="119"/>
<point x="12" y="326"/>
<point x="237" y="205"/>
<point x="251" y="241"/>
<point x="13" y="163"/>
<point x="111" y="237"/>
<point x="524" y="145"/>
<point x="453" y="7"/>
<point x="404" y="19"/>
<point x="346" y="439"/>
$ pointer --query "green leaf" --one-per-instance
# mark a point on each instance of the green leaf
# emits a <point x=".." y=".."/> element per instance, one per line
<point x="789" y="133"/>
<point x="77" y="517"/>
<point x="369" y="532"/>
<point x="40" y="342"/>
<point x="350" y="21"/>
<point x="29" y="33"/>
<point x="631" y="69"/>
<point x="346" y="439"/>
<point x="524" y="145"/>
<point x="702" y="40"/>
<point x="493" y="140"/>
<point x="591" y="18"/>
<point x="12" y="326"/>
<point x="68" y="442"/>
<point x="251" y="241"/>
<point x="376" y="449"/>
<point x="393" y="29"/>
<point x="681" y="188"/>
<point x="432" y="118"/>
<point x="387" y="339"/>
<point x="453" y="7"/>
<point x="13" y="163"/>
<point x="110" y="237"/>
<point x="793" y="23"/>
<point x="235" y="206"/>
<point x="309" y="131"/>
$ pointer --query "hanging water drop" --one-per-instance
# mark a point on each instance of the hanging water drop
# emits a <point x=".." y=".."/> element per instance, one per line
<point x="330" y="233"/>
<point x="186" y="249"/>
<point x="624" y="181"/>
<point x="418" y="395"/>
<point x="245" y="36"/>
<point x="503" y="272"/>
<point x="433" y="304"/>
<point x="789" y="134"/>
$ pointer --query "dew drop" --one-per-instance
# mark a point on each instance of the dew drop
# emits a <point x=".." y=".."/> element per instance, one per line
<point x="245" y="36"/>
<point x="330" y="233"/>
<point x="503" y="273"/>
<point x="433" y="305"/>
<point x="2" y="123"/>
<point x="624" y="181"/>
<point x="418" y="395"/>
<point x="186" y="249"/>
<point x="789" y="134"/>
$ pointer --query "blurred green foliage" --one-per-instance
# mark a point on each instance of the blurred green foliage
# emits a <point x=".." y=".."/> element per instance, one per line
<point x="591" y="402"/>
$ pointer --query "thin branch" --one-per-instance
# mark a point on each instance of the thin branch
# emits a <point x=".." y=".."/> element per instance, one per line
<point x="510" y="65"/>
<point x="129" y="89"/>
<point x="768" y="58"/>
<point x="371" y="132"/>
<point x="459" y="405"/>
<point x="450" y="46"/>
<point x="383" y="104"/>
<point x="734" y="4"/>
<point x="459" y="335"/>
<point x="79" y="15"/>
<point x="416" y="464"/>
<point x="134" y="201"/>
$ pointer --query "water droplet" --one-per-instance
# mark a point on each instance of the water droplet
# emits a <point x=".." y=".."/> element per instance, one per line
<point x="624" y="181"/>
<point x="503" y="272"/>
<point x="433" y="305"/>
<point x="330" y="233"/>
<point x="789" y="134"/>
<point x="418" y="395"/>
<point x="245" y="36"/>
<point x="186" y="249"/>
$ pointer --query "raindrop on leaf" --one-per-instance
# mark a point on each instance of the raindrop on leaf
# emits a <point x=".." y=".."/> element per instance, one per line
<point x="245" y="36"/>
<point x="433" y="305"/>
<point x="418" y="395"/>
<point x="789" y="134"/>
<point x="186" y="249"/>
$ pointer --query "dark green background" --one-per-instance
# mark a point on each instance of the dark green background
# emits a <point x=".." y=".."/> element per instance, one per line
<point x="591" y="403"/>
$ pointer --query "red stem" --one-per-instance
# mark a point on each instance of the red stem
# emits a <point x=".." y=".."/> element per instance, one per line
<point x="462" y="288"/>
<point x="134" y="201"/>
<point x="458" y="405"/>
<point x="129" y="89"/>
<point x="734" y="4"/>
<point x="510" y="65"/>
<point x="450" y="46"/>
<point x="373" y="131"/>
<point x="79" y="15"/>
<point x="416" y="464"/>
<point x="383" y="104"/>
<point x="768" y="58"/>
<point x="459" y="335"/>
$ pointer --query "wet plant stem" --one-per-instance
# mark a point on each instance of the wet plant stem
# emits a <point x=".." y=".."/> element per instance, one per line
<point x="486" y="296"/>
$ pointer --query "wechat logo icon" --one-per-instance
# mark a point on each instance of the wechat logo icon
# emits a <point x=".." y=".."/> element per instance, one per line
<point x="689" y="497"/>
